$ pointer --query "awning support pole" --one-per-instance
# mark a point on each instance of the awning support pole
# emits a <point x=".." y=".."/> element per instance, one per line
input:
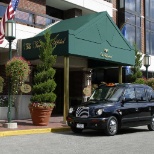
<point x="66" y="87"/>
<point x="120" y="74"/>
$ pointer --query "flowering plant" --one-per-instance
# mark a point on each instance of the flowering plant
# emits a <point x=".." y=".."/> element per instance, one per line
<point x="17" y="70"/>
<point x="41" y="105"/>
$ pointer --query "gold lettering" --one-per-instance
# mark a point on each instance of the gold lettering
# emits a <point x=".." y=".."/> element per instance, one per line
<point x="105" y="55"/>
<point x="58" y="41"/>
<point x="28" y="46"/>
<point x="37" y="44"/>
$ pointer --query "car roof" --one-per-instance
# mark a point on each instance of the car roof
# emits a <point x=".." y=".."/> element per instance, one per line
<point x="133" y="85"/>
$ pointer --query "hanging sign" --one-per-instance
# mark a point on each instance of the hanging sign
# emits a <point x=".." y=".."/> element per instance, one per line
<point x="25" y="88"/>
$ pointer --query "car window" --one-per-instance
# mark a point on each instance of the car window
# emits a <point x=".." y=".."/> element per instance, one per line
<point x="129" y="94"/>
<point x="114" y="94"/>
<point x="107" y="93"/>
<point x="140" y="94"/>
<point x="150" y="94"/>
<point x="96" y="94"/>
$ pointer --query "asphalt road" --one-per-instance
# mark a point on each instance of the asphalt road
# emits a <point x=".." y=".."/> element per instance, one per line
<point x="129" y="141"/>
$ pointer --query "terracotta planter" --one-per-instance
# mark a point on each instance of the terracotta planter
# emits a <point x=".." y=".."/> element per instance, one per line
<point x="40" y="116"/>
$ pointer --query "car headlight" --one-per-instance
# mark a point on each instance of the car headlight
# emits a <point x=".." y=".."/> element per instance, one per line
<point x="71" y="110"/>
<point x="99" y="111"/>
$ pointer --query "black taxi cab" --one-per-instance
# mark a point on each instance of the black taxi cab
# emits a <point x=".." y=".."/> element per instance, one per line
<point x="112" y="107"/>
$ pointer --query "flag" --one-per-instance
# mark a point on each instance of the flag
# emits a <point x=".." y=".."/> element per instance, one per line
<point x="9" y="14"/>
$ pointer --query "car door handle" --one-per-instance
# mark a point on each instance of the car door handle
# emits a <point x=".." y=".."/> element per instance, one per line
<point x="136" y="109"/>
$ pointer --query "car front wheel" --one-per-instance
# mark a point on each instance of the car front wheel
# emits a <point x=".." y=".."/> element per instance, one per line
<point x="151" y="125"/>
<point x="112" y="126"/>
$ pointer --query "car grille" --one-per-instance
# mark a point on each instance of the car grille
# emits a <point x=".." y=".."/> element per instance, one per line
<point x="82" y="112"/>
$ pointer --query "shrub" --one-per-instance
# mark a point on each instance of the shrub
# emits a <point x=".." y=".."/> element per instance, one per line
<point x="150" y="82"/>
<point x="140" y="81"/>
<point x="44" y="84"/>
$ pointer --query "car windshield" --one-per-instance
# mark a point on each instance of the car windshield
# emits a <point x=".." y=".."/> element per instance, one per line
<point x="107" y="93"/>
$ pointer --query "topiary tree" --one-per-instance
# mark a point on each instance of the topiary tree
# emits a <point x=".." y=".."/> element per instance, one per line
<point x="44" y="83"/>
<point x="136" y="72"/>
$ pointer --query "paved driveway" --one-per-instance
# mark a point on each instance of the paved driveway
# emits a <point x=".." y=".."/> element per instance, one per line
<point x="129" y="141"/>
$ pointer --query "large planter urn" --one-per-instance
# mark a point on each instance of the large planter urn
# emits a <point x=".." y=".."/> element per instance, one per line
<point x="40" y="116"/>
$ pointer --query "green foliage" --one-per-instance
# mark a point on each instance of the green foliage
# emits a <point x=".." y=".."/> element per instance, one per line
<point x="140" y="81"/>
<point x="44" y="75"/>
<point x="44" y="83"/>
<point x="1" y="84"/>
<point x="150" y="82"/>
<point x="46" y="86"/>
<point x="45" y="98"/>
<point x="136" y="72"/>
<point x="17" y="70"/>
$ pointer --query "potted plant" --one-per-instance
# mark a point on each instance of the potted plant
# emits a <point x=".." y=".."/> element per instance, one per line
<point x="43" y="96"/>
<point x="17" y="70"/>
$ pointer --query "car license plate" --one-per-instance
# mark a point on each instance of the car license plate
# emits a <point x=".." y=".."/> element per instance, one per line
<point x="80" y="126"/>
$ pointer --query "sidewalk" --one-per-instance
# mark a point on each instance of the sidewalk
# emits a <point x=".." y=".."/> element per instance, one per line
<point x="26" y="127"/>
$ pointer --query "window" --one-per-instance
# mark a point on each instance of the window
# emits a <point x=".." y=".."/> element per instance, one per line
<point x="107" y="93"/>
<point x="132" y="14"/>
<point x="140" y="94"/>
<point x="150" y="94"/>
<point x="121" y="3"/>
<point x="149" y="19"/>
<point x="132" y="5"/>
<point x="149" y="9"/>
<point x="133" y="30"/>
<point x="129" y="94"/>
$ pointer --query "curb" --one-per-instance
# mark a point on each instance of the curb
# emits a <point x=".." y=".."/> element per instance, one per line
<point x="32" y="131"/>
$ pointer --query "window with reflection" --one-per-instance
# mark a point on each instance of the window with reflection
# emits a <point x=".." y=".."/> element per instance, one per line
<point x="140" y="94"/>
<point x="132" y="14"/>
<point x="133" y="5"/>
<point x="149" y="19"/>
<point x="149" y="9"/>
<point x="133" y="29"/>
<point x="130" y="33"/>
<point x="147" y="41"/>
<point x="152" y="43"/>
<point x="129" y="94"/>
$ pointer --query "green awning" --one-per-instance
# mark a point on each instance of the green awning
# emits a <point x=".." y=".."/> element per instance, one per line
<point x="95" y="37"/>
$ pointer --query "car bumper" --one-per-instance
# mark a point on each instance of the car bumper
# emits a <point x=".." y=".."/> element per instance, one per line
<point x="87" y="123"/>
